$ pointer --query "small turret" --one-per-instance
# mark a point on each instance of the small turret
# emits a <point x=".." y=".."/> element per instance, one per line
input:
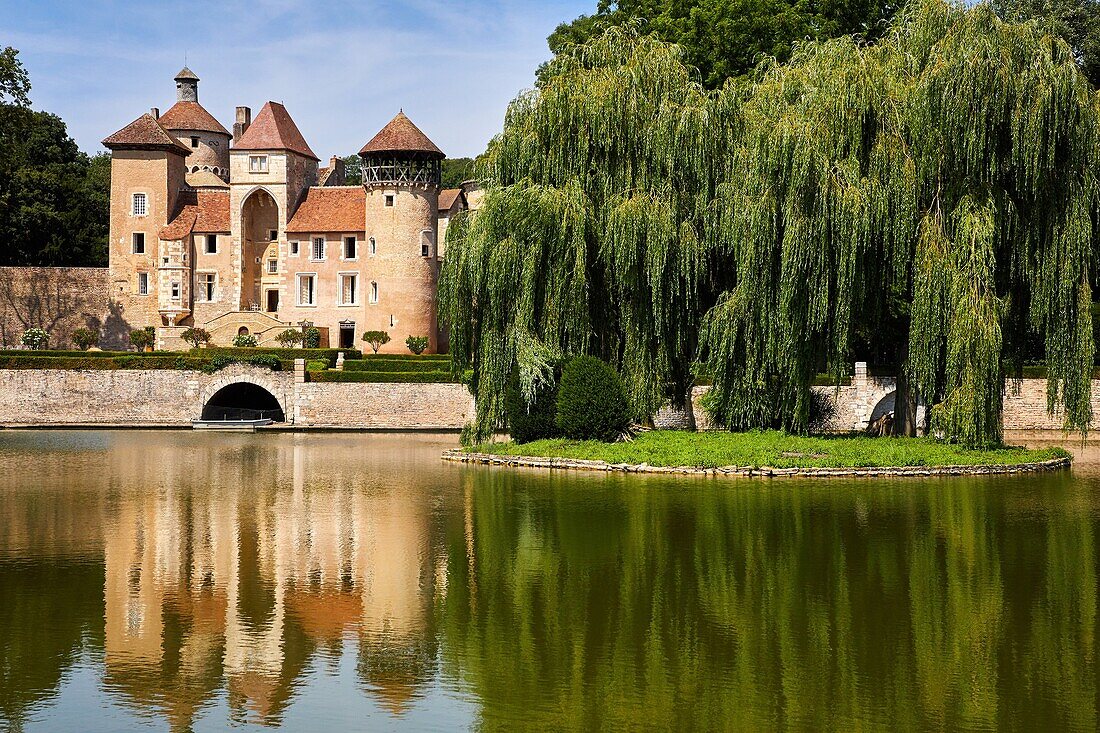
<point x="187" y="86"/>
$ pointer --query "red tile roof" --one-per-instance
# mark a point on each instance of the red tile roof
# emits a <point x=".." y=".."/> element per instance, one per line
<point x="200" y="211"/>
<point x="400" y="135"/>
<point x="191" y="116"/>
<point x="447" y="198"/>
<point x="273" y="129"/>
<point x="331" y="209"/>
<point x="144" y="133"/>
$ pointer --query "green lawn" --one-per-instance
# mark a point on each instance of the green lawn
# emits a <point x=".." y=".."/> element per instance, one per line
<point x="773" y="449"/>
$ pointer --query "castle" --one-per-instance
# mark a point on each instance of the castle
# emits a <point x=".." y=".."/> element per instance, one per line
<point x="246" y="233"/>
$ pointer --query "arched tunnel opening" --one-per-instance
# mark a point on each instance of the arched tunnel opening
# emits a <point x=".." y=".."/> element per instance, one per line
<point x="243" y="401"/>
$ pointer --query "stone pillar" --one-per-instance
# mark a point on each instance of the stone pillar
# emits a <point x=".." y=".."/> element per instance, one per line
<point x="299" y="371"/>
<point x="340" y="361"/>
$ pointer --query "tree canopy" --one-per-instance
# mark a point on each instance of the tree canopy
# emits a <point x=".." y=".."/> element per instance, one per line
<point x="54" y="199"/>
<point x="726" y="38"/>
<point x="1077" y="22"/>
<point x="944" y="171"/>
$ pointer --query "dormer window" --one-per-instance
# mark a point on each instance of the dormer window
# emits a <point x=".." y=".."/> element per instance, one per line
<point x="257" y="164"/>
<point x="139" y="204"/>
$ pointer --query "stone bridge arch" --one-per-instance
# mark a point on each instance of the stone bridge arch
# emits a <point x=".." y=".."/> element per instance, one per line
<point x="279" y="384"/>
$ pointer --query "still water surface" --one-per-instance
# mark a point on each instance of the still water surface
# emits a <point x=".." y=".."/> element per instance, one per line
<point x="182" y="581"/>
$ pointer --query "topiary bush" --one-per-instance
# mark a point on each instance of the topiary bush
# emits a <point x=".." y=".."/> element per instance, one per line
<point x="290" y="338"/>
<point x="536" y="421"/>
<point x="143" y="339"/>
<point x="592" y="402"/>
<point x="36" y="338"/>
<point x="311" y="338"/>
<point x="195" y="337"/>
<point x="417" y="344"/>
<point x="376" y="339"/>
<point x="85" y="338"/>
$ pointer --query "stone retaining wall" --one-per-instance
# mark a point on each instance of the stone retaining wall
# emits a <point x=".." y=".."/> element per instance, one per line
<point x="461" y="456"/>
<point x="175" y="397"/>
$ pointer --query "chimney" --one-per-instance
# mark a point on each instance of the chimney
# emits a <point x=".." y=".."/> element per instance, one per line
<point x="155" y="111"/>
<point x="244" y="119"/>
<point x="337" y="177"/>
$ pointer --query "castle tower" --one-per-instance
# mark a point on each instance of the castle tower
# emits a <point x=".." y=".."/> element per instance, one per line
<point x="401" y="174"/>
<point x="147" y="173"/>
<point x="196" y="129"/>
<point x="272" y="168"/>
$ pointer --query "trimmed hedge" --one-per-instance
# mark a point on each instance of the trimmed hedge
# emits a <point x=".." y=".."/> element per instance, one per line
<point x="395" y="365"/>
<point x="405" y="357"/>
<point x="592" y="401"/>
<point x="129" y="361"/>
<point x="403" y="377"/>
<point x="83" y="354"/>
<point x="286" y="355"/>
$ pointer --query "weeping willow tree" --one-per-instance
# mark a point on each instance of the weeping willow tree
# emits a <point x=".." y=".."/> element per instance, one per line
<point x="950" y="164"/>
<point x="591" y="237"/>
<point x="943" y="173"/>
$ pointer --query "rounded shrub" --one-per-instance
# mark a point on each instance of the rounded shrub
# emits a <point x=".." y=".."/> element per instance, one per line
<point x="35" y="338"/>
<point x="244" y="341"/>
<point x="592" y="402"/>
<point x="535" y="421"/>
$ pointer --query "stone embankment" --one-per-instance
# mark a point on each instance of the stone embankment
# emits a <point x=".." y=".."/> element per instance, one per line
<point x="493" y="459"/>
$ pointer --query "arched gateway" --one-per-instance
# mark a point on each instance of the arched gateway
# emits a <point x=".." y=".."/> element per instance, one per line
<point x="247" y="393"/>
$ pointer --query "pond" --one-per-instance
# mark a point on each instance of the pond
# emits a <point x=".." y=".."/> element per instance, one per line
<point x="312" y="581"/>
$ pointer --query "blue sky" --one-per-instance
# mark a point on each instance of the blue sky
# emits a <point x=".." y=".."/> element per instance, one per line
<point x="343" y="69"/>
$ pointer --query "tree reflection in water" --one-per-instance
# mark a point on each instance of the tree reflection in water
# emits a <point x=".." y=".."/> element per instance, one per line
<point x="247" y="578"/>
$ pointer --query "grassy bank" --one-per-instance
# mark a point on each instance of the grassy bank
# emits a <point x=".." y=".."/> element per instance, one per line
<point x="773" y="449"/>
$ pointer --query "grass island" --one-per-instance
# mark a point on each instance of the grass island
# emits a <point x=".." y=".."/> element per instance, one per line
<point x="755" y="450"/>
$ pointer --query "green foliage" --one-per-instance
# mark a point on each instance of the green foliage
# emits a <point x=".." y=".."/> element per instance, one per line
<point x="386" y="376"/>
<point x="220" y="361"/>
<point x="417" y="344"/>
<point x="85" y="338"/>
<point x="353" y="170"/>
<point x="376" y="339"/>
<point x="591" y="401"/>
<point x="119" y="360"/>
<point x="456" y="171"/>
<point x="311" y="338"/>
<point x="726" y="38"/>
<point x="195" y="337"/>
<point x="290" y="337"/>
<point x="773" y="449"/>
<point x="36" y="338"/>
<point x="941" y="180"/>
<point x="142" y="338"/>
<point x="285" y="355"/>
<point x="245" y="341"/>
<point x="408" y="363"/>
<point x="1077" y="22"/>
<point x="316" y="365"/>
<point x="55" y="198"/>
<point x="536" y="420"/>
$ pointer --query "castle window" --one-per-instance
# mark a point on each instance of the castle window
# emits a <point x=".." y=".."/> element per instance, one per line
<point x="257" y="164"/>
<point x="272" y="267"/>
<point x="307" y="289"/>
<point x="374" y="295"/>
<point x="139" y="204"/>
<point x="143" y="283"/>
<point x="349" y="289"/>
<point x="318" y="248"/>
<point x="373" y="247"/>
<point x="389" y="199"/>
<point x="139" y="243"/>
<point x="272" y="235"/>
<point x="350" y="248"/>
<point x="175" y="291"/>
<point x="294" y="249"/>
<point x="194" y="141"/>
<point x="207" y="282"/>
<point x="211" y="244"/>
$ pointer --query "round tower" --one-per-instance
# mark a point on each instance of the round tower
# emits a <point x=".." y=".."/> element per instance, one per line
<point x="401" y="175"/>
<point x="196" y="129"/>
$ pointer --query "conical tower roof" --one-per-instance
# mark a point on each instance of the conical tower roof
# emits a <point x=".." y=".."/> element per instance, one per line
<point x="186" y="75"/>
<point x="400" y="135"/>
<point x="273" y="129"/>
<point x="191" y="116"/>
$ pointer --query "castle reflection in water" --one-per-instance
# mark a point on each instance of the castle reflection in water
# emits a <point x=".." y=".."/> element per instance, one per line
<point x="216" y="580"/>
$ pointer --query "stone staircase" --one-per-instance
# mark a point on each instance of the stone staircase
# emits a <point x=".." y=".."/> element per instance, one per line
<point x="224" y="328"/>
